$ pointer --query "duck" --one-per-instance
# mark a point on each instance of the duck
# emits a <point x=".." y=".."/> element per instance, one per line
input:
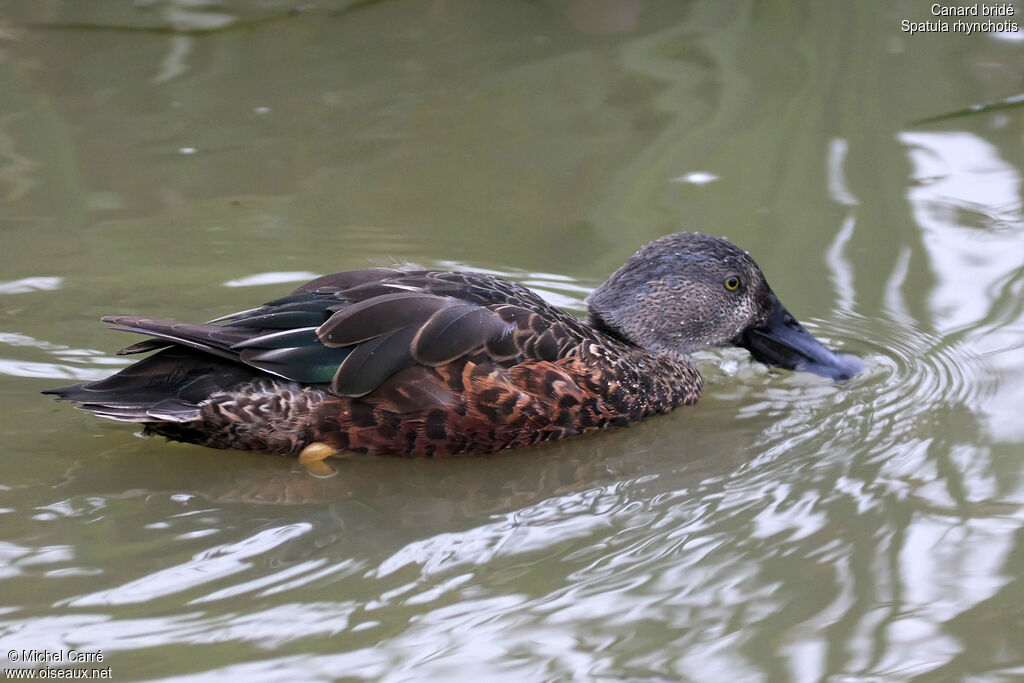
<point x="388" y="361"/>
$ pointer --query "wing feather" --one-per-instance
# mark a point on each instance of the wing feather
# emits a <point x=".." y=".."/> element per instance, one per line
<point x="373" y="361"/>
<point x="454" y="332"/>
<point x="378" y="315"/>
<point x="374" y="330"/>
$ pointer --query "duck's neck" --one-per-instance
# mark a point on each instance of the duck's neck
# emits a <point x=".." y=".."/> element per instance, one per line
<point x="633" y="383"/>
<point x="607" y="329"/>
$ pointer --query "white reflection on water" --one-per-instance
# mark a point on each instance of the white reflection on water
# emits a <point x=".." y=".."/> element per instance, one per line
<point x="24" y="368"/>
<point x="696" y="178"/>
<point x="526" y="530"/>
<point x="302" y="569"/>
<point x="174" y="64"/>
<point x="30" y="284"/>
<point x="967" y="202"/>
<point x="838" y="188"/>
<point x="209" y="565"/>
<point x="14" y="557"/>
<point x="895" y="303"/>
<point x="840" y="268"/>
<point x="271" y="278"/>
<point x="89" y="364"/>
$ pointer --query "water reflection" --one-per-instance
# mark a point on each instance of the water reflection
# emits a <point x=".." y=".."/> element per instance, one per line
<point x="30" y="284"/>
<point x="967" y="200"/>
<point x="214" y="563"/>
<point x="87" y="364"/>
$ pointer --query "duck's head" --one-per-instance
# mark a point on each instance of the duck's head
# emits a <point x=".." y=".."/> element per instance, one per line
<point x="688" y="291"/>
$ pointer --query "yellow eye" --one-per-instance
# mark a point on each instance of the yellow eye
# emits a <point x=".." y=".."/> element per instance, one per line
<point x="732" y="283"/>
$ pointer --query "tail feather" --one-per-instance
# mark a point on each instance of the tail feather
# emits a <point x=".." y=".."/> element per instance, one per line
<point x="215" y="339"/>
<point x="169" y="386"/>
<point x="140" y="413"/>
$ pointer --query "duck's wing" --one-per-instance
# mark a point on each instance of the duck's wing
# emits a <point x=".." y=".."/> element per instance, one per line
<point x="356" y="329"/>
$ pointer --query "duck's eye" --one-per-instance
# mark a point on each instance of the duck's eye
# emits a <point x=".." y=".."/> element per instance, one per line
<point x="732" y="283"/>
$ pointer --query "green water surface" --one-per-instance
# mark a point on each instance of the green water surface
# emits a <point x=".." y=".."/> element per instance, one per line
<point x="183" y="158"/>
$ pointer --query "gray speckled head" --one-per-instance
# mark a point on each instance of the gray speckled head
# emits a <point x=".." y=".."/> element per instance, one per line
<point x="688" y="291"/>
<point x="674" y="294"/>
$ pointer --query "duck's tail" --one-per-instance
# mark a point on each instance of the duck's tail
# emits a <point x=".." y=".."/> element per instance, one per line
<point x="166" y="387"/>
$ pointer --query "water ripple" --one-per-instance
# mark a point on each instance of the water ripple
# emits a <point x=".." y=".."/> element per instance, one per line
<point x="76" y="364"/>
<point x="914" y="371"/>
<point x="912" y="378"/>
<point x="209" y="565"/>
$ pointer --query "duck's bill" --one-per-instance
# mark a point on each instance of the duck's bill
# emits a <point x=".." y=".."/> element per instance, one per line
<point x="784" y="342"/>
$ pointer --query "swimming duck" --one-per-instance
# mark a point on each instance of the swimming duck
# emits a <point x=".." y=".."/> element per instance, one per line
<point x="427" y="362"/>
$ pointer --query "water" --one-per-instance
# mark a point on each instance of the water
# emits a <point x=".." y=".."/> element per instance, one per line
<point x="785" y="528"/>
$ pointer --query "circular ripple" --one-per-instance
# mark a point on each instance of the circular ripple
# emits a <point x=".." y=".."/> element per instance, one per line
<point x="911" y="372"/>
<point x="912" y="379"/>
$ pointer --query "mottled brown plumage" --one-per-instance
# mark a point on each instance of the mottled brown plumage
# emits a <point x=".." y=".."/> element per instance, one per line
<point x="434" y="363"/>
